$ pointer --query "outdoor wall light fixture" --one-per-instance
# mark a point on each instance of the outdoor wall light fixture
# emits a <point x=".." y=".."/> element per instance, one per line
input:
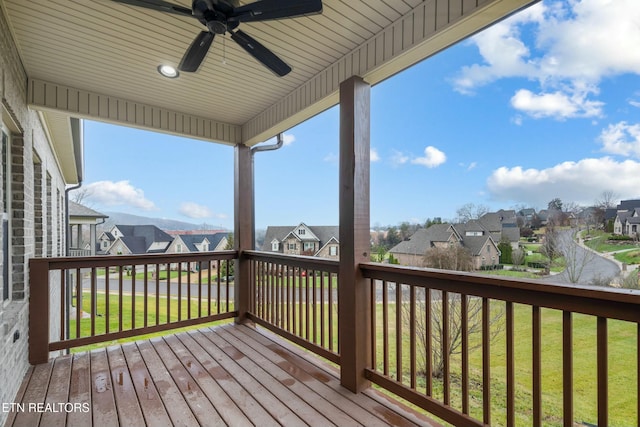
<point x="168" y="71"/>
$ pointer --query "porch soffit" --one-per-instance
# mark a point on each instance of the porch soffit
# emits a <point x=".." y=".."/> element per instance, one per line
<point x="97" y="60"/>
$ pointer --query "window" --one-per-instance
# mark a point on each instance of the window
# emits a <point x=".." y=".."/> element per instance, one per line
<point x="474" y="233"/>
<point x="6" y="170"/>
<point x="205" y="246"/>
<point x="179" y="248"/>
<point x="275" y="246"/>
<point x="309" y="246"/>
<point x="333" y="250"/>
<point x="292" y="246"/>
<point x="301" y="231"/>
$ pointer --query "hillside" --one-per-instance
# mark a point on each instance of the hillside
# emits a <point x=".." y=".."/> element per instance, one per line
<point x="162" y="223"/>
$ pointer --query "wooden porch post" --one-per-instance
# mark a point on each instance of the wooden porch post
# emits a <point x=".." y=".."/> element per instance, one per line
<point x="243" y="228"/>
<point x="39" y="311"/>
<point x="353" y="308"/>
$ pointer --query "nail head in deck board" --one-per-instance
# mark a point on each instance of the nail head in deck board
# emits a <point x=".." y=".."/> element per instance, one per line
<point x="201" y="407"/>
<point x="58" y="391"/>
<point x="151" y="405"/>
<point x="129" y="411"/>
<point x="225" y="406"/>
<point x="104" y="404"/>
<point x="276" y="408"/>
<point x="245" y="401"/>
<point x="35" y="393"/>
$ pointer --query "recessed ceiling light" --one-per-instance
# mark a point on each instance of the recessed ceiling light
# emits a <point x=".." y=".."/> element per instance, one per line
<point x="168" y="71"/>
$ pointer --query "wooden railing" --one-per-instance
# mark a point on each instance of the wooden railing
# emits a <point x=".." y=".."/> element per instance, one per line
<point x="115" y="297"/>
<point x="450" y="342"/>
<point x="297" y="297"/>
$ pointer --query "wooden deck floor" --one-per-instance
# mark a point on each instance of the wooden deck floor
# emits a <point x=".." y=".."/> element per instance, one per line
<point x="229" y="375"/>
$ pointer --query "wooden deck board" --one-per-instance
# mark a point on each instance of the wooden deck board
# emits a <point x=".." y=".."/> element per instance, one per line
<point x="230" y="375"/>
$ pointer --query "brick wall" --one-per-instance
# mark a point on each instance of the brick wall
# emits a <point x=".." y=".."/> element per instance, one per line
<point x="31" y="163"/>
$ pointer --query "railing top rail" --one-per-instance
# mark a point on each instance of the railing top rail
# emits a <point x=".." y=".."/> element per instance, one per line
<point x="301" y="261"/>
<point x="124" y="260"/>
<point x="620" y="304"/>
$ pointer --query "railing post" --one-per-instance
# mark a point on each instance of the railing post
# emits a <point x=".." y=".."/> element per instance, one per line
<point x="38" y="311"/>
<point x="353" y="306"/>
<point x="243" y="228"/>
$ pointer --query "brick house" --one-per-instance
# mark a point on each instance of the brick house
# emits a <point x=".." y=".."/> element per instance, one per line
<point x="319" y="241"/>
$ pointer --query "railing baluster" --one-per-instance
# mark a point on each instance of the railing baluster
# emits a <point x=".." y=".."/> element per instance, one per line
<point x="385" y="329"/>
<point x="446" y="368"/>
<point x="146" y="294"/>
<point x="157" y="270"/>
<point x="107" y="295"/>
<point x="169" y="293"/>
<point x="120" y="299"/>
<point x="486" y="362"/>
<point x="63" y="303"/>
<point x="537" y="365"/>
<point x="464" y="330"/>
<point x="567" y="368"/>
<point x="373" y="326"/>
<point x="188" y="290"/>
<point x="78" y="301"/>
<point x="133" y="296"/>
<point x="218" y="286"/>
<point x="323" y="342"/>
<point x="603" y="366"/>
<point x="209" y="288"/>
<point x="428" y="343"/>
<point x="331" y="338"/>
<point x="399" y="332"/>
<point x="412" y="335"/>
<point x="180" y="291"/>
<point x="199" y="290"/>
<point x="92" y="300"/>
<point x="511" y="394"/>
<point x="306" y="305"/>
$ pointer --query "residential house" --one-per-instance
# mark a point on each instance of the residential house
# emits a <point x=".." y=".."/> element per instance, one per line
<point x="502" y="225"/>
<point x="319" y="241"/>
<point x="473" y="236"/>
<point x="81" y="216"/>
<point x="526" y="216"/>
<point x="627" y="219"/>
<point x="192" y="243"/>
<point x="134" y="239"/>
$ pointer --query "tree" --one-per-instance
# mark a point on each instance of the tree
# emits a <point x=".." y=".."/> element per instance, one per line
<point x="393" y="238"/>
<point x="80" y="195"/>
<point x="228" y="267"/>
<point x="550" y="248"/>
<point x="441" y="348"/>
<point x="608" y="199"/>
<point x="576" y="259"/>
<point x="454" y="257"/>
<point x="470" y="211"/>
<point x="506" y="251"/>
<point x="517" y="258"/>
<point x="555" y="205"/>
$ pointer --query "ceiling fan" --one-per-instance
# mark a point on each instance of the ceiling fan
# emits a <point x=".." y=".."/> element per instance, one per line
<point x="222" y="16"/>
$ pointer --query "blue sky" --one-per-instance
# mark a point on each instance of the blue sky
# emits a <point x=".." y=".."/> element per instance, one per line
<point x="542" y="105"/>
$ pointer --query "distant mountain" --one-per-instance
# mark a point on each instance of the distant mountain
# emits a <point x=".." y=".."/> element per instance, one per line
<point x="119" y="218"/>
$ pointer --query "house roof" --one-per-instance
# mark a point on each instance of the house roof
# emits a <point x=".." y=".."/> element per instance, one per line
<point x="494" y="221"/>
<point x="99" y="60"/>
<point x="142" y="239"/>
<point x="76" y="210"/>
<point x="323" y="232"/>
<point x="424" y="238"/>
<point x="191" y="240"/>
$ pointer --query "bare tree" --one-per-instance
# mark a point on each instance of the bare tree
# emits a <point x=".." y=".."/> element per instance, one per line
<point x="517" y="258"/>
<point x="449" y="258"/>
<point x="608" y="199"/>
<point x="443" y="346"/>
<point x="576" y="260"/>
<point x="81" y="195"/>
<point x="470" y="211"/>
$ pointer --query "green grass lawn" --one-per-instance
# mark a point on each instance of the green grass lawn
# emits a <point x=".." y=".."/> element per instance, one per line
<point x="629" y="257"/>
<point x="622" y="369"/>
<point x="131" y="312"/>
<point x="597" y="240"/>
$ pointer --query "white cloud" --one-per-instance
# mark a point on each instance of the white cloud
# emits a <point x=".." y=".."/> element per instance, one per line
<point x="432" y="158"/>
<point x="121" y="193"/>
<point x="576" y="45"/>
<point x="557" y="104"/>
<point x="288" y="139"/>
<point x="578" y="181"/>
<point x="194" y="210"/>
<point x="621" y="139"/>
<point x="374" y="156"/>
<point x="398" y="158"/>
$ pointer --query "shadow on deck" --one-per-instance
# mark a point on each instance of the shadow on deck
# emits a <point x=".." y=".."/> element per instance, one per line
<point x="228" y="375"/>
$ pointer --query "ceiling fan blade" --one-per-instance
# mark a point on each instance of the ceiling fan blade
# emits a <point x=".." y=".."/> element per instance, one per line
<point x="161" y="5"/>
<point x="261" y="53"/>
<point x="194" y="56"/>
<point x="264" y="10"/>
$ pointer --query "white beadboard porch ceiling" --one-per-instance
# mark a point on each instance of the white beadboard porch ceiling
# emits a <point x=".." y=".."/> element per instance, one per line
<point x="97" y="59"/>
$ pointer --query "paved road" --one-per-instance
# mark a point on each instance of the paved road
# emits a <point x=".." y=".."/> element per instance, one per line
<point x="584" y="267"/>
